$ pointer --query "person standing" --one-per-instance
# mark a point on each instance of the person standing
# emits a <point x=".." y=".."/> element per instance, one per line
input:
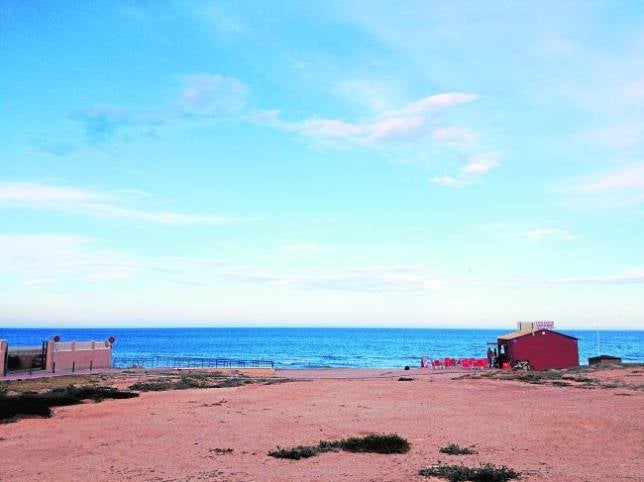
<point x="490" y="354"/>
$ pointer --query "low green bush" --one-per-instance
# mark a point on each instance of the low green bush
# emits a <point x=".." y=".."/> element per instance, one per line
<point x="374" y="443"/>
<point x="460" y="473"/>
<point x="455" y="449"/>
<point x="381" y="444"/>
<point x="32" y="404"/>
<point x="295" y="453"/>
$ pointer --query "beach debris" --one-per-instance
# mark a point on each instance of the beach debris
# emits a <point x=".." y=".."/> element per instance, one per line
<point x="220" y="451"/>
<point x="405" y="379"/>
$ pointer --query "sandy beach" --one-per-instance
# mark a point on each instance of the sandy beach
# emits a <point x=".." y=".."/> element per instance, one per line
<point x="556" y="432"/>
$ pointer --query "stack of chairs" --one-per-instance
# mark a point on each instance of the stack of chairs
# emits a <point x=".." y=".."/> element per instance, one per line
<point x="447" y="362"/>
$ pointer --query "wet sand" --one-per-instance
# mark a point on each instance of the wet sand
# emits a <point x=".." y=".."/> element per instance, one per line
<point x="558" y="433"/>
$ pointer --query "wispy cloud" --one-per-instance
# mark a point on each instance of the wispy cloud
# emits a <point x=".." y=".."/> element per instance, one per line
<point x="623" y="135"/>
<point x="91" y="203"/>
<point x="619" y="187"/>
<point x="550" y="233"/>
<point x="201" y="96"/>
<point x="407" y="123"/>
<point x="393" y="278"/>
<point x="626" y="177"/>
<point x="55" y="259"/>
<point x="630" y="275"/>
<point x="46" y="259"/>
<point x="477" y="166"/>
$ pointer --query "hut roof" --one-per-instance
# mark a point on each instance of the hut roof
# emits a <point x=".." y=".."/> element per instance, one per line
<point x="519" y="333"/>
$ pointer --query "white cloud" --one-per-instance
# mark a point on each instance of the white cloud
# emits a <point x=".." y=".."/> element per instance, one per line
<point x="630" y="275"/>
<point x="479" y="164"/>
<point x="552" y="233"/>
<point x="91" y="203"/>
<point x="626" y="177"/>
<point x="617" y="188"/>
<point x="431" y="103"/>
<point x="455" y="135"/>
<point x="46" y="259"/>
<point x="42" y="194"/>
<point x="392" y="278"/>
<point x="53" y="259"/>
<point x="410" y="122"/>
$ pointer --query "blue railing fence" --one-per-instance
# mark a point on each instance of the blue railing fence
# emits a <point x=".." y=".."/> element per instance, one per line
<point x="188" y="362"/>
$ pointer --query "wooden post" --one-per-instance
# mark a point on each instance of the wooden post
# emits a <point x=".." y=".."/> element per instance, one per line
<point x="73" y="366"/>
<point x="91" y="364"/>
<point x="4" y="356"/>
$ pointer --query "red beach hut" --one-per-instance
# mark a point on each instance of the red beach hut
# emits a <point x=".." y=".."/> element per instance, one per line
<point x="539" y="345"/>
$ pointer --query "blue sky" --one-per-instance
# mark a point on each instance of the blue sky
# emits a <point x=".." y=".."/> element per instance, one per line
<point x="327" y="164"/>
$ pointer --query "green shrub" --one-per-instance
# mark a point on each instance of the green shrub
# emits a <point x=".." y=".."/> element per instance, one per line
<point x="381" y="444"/>
<point x="31" y="404"/>
<point x="191" y="380"/>
<point x="295" y="453"/>
<point x="455" y="449"/>
<point x="483" y="473"/>
<point x="559" y="383"/>
<point x="152" y="386"/>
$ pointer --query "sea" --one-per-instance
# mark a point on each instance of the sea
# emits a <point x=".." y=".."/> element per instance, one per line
<point x="319" y="347"/>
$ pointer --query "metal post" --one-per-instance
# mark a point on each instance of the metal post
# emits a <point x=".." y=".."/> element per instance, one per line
<point x="73" y="366"/>
<point x="91" y="365"/>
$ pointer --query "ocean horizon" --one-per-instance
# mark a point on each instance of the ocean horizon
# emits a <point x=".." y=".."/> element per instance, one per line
<point x="309" y="347"/>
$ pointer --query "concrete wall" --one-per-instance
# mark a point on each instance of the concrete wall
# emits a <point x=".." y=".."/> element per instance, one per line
<point x="3" y="350"/>
<point x="69" y="356"/>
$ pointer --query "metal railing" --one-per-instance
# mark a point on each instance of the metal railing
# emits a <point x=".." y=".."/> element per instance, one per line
<point x="187" y="362"/>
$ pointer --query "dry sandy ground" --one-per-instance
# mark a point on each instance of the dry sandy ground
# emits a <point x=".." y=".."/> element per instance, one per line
<point x="546" y="432"/>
